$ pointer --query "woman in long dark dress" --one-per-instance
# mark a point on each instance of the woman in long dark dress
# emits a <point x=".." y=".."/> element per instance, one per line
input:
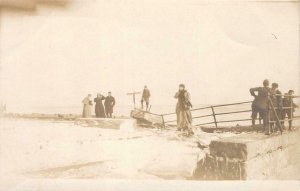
<point x="99" y="108"/>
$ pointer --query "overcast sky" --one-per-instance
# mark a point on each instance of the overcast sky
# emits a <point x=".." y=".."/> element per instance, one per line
<point x="55" y="55"/>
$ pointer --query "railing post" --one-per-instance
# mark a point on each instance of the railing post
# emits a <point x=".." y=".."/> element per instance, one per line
<point x="214" y="115"/>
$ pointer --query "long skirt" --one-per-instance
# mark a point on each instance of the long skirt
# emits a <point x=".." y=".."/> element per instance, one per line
<point x="184" y="119"/>
<point x="99" y="110"/>
<point x="87" y="113"/>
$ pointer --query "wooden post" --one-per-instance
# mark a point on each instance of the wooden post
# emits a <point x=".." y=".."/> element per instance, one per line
<point x="214" y="115"/>
<point x="133" y="97"/>
<point x="275" y="113"/>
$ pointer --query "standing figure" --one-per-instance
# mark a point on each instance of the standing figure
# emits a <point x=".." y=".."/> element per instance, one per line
<point x="184" y="116"/>
<point x="145" y="97"/>
<point x="289" y="107"/>
<point x="260" y="104"/>
<point x="2" y="108"/>
<point x="109" y="105"/>
<point x="99" y="108"/>
<point x="87" y="106"/>
<point x="276" y="99"/>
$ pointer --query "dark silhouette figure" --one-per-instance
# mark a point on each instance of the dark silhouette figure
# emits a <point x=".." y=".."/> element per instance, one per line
<point x="109" y="105"/>
<point x="99" y="108"/>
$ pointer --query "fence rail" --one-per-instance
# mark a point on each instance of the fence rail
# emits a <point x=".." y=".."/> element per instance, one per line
<point x="214" y="115"/>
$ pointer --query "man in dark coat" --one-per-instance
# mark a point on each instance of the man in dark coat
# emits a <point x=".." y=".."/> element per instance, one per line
<point x="260" y="104"/>
<point x="109" y="105"/>
<point x="99" y="108"/>
<point x="289" y="107"/>
<point x="145" y="97"/>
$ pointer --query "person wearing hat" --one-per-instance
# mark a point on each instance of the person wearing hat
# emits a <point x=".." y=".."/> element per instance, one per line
<point x="109" y="104"/>
<point x="289" y="107"/>
<point x="260" y="104"/>
<point x="87" y="106"/>
<point x="145" y="97"/>
<point x="184" y="116"/>
<point x="99" y="108"/>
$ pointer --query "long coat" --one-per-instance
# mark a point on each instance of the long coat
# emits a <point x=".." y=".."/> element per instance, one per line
<point x="99" y="108"/>
<point x="184" y="115"/>
<point x="109" y="104"/>
<point x="87" y="106"/>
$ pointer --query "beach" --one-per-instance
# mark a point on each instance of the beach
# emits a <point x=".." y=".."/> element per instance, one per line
<point x="61" y="149"/>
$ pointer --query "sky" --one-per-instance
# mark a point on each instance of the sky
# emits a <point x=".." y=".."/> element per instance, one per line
<point x="56" y="55"/>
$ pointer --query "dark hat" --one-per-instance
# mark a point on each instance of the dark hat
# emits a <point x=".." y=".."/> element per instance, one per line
<point x="291" y="91"/>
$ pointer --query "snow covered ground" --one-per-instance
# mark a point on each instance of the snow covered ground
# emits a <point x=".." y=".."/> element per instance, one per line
<point x="63" y="149"/>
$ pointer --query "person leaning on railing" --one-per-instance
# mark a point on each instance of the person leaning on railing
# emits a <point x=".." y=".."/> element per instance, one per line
<point x="289" y="108"/>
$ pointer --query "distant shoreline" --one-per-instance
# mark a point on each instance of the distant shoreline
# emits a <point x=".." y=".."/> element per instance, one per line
<point x="42" y="116"/>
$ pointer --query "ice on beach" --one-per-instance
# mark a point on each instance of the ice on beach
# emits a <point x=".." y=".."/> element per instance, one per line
<point x="128" y="125"/>
<point x="63" y="149"/>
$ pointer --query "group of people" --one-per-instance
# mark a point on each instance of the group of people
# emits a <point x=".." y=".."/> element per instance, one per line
<point x="101" y="111"/>
<point x="269" y="103"/>
<point x="272" y="107"/>
<point x="106" y="111"/>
